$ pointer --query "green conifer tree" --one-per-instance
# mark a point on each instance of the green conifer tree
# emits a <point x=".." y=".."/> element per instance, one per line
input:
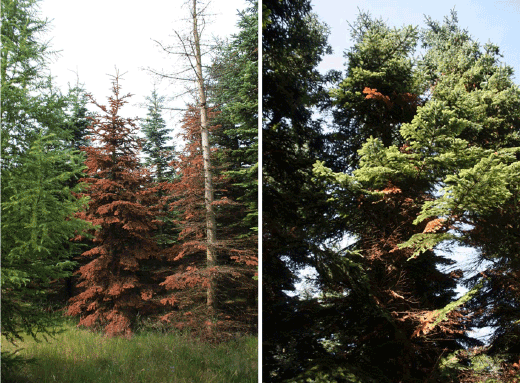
<point x="77" y="120"/>
<point x="38" y="223"/>
<point x="446" y="180"/>
<point x="29" y="100"/>
<point x="39" y="173"/>
<point x="380" y="91"/>
<point x="294" y="210"/>
<point x="160" y="154"/>
<point x="234" y="92"/>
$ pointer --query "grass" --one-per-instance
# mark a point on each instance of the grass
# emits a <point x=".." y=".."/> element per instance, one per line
<point x="80" y="356"/>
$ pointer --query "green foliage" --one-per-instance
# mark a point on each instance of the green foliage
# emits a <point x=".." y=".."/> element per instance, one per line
<point x="160" y="154"/>
<point x="39" y="174"/>
<point x="234" y="92"/>
<point x="473" y="82"/>
<point x="475" y="365"/>
<point x="442" y="314"/>
<point x="381" y="88"/>
<point x="29" y="100"/>
<point x="77" y="120"/>
<point x="37" y="224"/>
<point x="421" y="243"/>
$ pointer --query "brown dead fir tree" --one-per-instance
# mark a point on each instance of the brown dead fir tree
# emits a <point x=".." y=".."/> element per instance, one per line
<point x="114" y="288"/>
<point x="229" y="278"/>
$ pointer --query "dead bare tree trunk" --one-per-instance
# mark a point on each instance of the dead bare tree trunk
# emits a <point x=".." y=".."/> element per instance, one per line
<point x="211" y="224"/>
<point x="190" y="49"/>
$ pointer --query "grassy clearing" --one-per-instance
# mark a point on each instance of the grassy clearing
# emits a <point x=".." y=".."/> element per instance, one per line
<point x="76" y="356"/>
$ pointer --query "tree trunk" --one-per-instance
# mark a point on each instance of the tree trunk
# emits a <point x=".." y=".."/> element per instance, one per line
<point x="211" y="225"/>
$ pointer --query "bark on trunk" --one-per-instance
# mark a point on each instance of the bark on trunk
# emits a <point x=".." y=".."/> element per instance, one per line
<point x="211" y="225"/>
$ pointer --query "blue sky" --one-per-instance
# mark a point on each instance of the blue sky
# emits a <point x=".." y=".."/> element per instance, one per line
<point x="497" y="21"/>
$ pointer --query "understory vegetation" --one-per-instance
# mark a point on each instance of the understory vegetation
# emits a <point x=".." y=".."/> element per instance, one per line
<point x="150" y="356"/>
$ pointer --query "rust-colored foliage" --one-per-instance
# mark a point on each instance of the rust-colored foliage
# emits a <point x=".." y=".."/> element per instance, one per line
<point x="386" y="109"/>
<point x="113" y="292"/>
<point x="407" y="100"/>
<point x="237" y="257"/>
<point x="397" y="285"/>
<point x="374" y="94"/>
<point x="434" y="225"/>
<point x="186" y="194"/>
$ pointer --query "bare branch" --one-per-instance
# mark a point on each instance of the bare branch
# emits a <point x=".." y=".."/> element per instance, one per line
<point x="171" y="77"/>
<point x="167" y="49"/>
<point x="186" y="50"/>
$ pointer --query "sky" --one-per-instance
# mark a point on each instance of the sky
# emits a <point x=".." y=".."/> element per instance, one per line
<point x="96" y="36"/>
<point x="497" y="21"/>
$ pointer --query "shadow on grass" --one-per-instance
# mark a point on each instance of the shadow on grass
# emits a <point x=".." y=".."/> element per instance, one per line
<point x="65" y="370"/>
<point x="104" y="370"/>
